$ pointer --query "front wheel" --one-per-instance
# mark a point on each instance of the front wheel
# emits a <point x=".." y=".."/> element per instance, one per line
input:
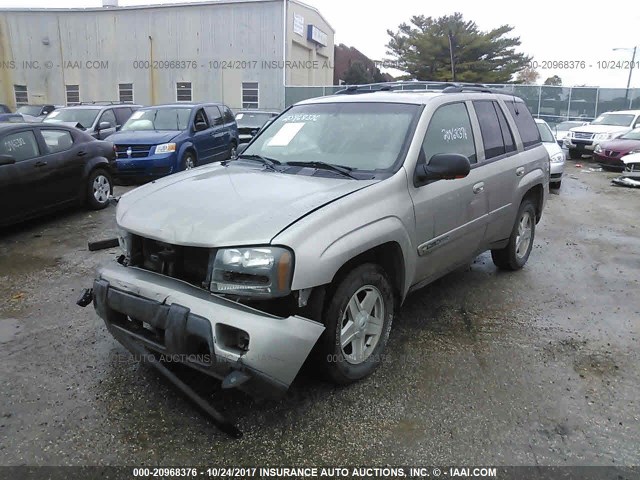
<point x="233" y="152"/>
<point x="188" y="161"/>
<point x="516" y="253"/>
<point x="556" y="185"/>
<point x="99" y="189"/>
<point x="358" y="321"/>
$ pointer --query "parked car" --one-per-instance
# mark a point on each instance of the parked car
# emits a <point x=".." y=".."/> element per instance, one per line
<point x="318" y="231"/>
<point x="160" y="140"/>
<point x="609" y="154"/>
<point x="99" y="121"/>
<point x="47" y="167"/>
<point x="11" y="117"/>
<point x="583" y="140"/>
<point x="631" y="165"/>
<point x="251" y="121"/>
<point x="556" y="155"/>
<point x="561" y="130"/>
<point x="36" y="110"/>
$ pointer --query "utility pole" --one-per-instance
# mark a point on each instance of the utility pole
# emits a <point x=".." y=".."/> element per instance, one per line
<point x="453" y="67"/>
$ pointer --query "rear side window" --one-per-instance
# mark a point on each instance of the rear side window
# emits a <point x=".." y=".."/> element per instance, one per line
<point x="449" y="132"/>
<point x="122" y="115"/>
<point x="525" y="123"/>
<point x="496" y="135"/>
<point x="57" y="140"/>
<point x="215" y="117"/>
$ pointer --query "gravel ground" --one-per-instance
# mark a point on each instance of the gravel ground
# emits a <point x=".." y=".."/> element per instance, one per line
<point x="536" y="367"/>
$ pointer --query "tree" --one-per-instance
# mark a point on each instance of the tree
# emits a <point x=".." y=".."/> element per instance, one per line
<point x="555" y="81"/>
<point x="424" y="49"/>
<point x="527" y="76"/>
<point x="357" y="74"/>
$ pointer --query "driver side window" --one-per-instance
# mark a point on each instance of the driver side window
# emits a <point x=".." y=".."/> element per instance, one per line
<point x="449" y="132"/>
<point x="109" y="117"/>
<point x="200" y="117"/>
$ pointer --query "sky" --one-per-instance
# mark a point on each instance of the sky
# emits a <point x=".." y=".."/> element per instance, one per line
<point x="549" y="30"/>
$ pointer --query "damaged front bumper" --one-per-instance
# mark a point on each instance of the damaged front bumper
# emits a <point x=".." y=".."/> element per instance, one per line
<point x="246" y="348"/>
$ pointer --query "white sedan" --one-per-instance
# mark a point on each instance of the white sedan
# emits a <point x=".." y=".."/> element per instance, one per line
<point x="555" y="153"/>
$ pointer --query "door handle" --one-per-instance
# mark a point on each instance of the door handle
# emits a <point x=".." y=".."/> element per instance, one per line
<point x="519" y="171"/>
<point x="82" y="153"/>
<point x="40" y="164"/>
<point x="478" y="187"/>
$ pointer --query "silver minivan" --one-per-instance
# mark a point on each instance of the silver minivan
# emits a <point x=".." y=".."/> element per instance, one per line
<point x="311" y="239"/>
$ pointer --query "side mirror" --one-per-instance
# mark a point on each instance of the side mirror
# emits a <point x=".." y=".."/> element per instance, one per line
<point x="200" y="126"/>
<point x="241" y="148"/>
<point x="104" y="126"/>
<point x="444" y="166"/>
<point x="7" y="160"/>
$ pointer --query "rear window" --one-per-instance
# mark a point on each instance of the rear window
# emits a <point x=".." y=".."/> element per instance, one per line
<point x="525" y="123"/>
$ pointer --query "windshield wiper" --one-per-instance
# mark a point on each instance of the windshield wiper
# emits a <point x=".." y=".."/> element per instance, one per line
<point x="269" y="162"/>
<point x="341" y="169"/>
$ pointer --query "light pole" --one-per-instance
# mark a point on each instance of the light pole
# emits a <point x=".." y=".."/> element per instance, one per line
<point x="633" y="61"/>
<point x="453" y="67"/>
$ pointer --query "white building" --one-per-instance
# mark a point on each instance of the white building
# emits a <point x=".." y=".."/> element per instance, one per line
<point x="240" y="52"/>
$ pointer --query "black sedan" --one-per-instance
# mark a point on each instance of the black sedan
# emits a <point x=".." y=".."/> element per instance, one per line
<point x="47" y="167"/>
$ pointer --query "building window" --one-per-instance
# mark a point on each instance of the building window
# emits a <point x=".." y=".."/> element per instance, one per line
<point x="250" y="94"/>
<point x="73" y="94"/>
<point x="125" y="92"/>
<point x="20" y="92"/>
<point x="183" y="91"/>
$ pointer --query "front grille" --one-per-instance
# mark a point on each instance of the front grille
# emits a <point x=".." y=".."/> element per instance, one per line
<point x="190" y="264"/>
<point x="247" y="130"/>
<point x="583" y="135"/>
<point x="611" y="153"/>
<point x="137" y="151"/>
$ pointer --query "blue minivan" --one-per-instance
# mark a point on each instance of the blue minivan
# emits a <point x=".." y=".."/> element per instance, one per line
<point x="160" y="140"/>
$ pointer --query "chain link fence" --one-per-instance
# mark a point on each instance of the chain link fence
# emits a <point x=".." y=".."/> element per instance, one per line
<point x="553" y="104"/>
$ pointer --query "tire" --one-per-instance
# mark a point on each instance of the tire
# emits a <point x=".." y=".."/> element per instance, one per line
<point x="575" y="154"/>
<point x="188" y="161"/>
<point x="99" y="189"/>
<point x="512" y="257"/>
<point x="347" y="361"/>
<point x="555" y="185"/>
<point x="232" y="151"/>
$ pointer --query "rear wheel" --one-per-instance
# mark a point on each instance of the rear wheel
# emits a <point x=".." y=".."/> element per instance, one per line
<point x="575" y="154"/>
<point x="99" y="189"/>
<point x="358" y="320"/>
<point x="516" y="253"/>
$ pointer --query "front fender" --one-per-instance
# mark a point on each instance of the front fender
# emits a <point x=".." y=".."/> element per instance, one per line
<point x="183" y="148"/>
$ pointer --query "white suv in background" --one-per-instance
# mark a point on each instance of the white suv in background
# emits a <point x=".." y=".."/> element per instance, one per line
<point x="610" y="125"/>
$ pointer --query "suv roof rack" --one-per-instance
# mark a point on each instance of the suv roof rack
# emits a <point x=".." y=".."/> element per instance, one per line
<point x="100" y="102"/>
<point x="445" y="87"/>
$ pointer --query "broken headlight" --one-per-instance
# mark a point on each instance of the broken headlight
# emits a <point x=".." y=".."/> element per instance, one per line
<point x="252" y="272"/>
<point x="125" y="239"/>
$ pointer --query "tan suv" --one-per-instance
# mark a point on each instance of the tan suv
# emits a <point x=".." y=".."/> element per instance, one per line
<point x="320" y="228"/>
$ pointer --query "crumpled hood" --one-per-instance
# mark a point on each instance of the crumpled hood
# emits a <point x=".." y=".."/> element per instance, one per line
<point x="143" y="137"/>
<point x="217" y="205"/>
<point x="601" y="129"/>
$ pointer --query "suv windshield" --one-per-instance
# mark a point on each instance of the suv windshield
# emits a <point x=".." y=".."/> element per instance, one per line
<point x="159" y="119"/>
<point x="252" y="119"/>
<point x="84" y="116"/>
<point x="614" y="119"/>
<point x="567" y="125"/>
<point x="545" y="133"/>
<point x="362" y="136"/>
<point x="32" y="110"/>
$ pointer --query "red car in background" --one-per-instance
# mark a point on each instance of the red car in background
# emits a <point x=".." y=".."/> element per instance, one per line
<point x="608" y="154"/>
